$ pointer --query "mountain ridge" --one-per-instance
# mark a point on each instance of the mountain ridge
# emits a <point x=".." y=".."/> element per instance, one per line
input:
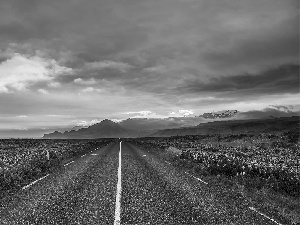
<point x="271" y="125"/>
<point x="104" y="129"/>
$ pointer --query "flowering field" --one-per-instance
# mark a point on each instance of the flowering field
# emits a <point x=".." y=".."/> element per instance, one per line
<point x="22" y="160"/>
<point x="266" y="160"/>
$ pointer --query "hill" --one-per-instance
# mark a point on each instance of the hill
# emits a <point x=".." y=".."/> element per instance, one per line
<point x="104" y="129"/>
<point x="272" y="125"/>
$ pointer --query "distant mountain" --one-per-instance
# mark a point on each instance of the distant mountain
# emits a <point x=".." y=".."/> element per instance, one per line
<point x="220" y="114"/>
<point x="155" y="124"/>
<point x="273" y="125"/>
<point x="148" y="127"/>
<point x="104" y="129"/>
<point x="77" y="128"/>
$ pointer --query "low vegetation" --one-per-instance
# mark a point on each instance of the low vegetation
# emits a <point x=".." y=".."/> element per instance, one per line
<point x="263" y="168"/>
<point x="23" y="160"/>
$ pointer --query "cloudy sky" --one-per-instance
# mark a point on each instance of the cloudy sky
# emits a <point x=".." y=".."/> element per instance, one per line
<point x="70" y="62"/>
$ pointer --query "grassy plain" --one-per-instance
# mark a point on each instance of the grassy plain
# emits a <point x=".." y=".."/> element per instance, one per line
<point x="263" y="169"/>
<point x="24" y="160"/>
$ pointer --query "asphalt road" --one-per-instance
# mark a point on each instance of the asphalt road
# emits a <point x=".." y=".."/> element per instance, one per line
<point x="152" y="192"/>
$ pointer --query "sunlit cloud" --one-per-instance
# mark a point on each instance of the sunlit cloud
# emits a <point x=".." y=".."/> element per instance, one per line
<point x="42" y="91"/>
<point x="84" y="82"/>
<point x="90" y="89"/>
<point x="181" y="113"/>
<point x="22" y="116"/>
<point x="85" y="123"/>
<point x="54" y="84"/>
<point x="3" y="89"/>
<point x="20" y="72"/>
<point x="143" y="114"/>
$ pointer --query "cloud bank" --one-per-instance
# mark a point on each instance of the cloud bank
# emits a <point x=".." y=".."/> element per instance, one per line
<point x="100" y="59"/>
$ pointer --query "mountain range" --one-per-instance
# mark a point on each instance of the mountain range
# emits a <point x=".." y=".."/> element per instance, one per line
<point x="271" y="125"/>
<point x="110" y="129"/>
<point x="104" y="129"/>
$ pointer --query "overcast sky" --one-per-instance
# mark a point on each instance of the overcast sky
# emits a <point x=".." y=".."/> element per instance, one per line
<point x="65" y="62"/>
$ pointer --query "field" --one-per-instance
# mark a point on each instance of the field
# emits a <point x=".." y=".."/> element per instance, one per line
<point x="263" y="168"/>
<point x="23" y="160"/>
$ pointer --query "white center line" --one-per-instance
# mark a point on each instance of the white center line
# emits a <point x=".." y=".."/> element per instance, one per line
<point x="27" y="186"/>
<point x="82" y="156"/>
<point x="118" y="195"/>
<point x="69" y="163"/>
<point x="255" y="210"/>
<point x="199" y="179"/>
<point x="94" y="154"/>
<point x="196" y="178"/>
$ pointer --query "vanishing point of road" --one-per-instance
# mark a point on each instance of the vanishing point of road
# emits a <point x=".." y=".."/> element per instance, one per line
<point x="123" y="184"/>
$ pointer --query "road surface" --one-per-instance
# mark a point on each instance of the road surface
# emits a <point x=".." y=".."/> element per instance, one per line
<point x="141" y="188"/>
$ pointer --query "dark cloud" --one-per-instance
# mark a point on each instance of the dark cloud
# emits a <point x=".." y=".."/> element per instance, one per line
<point x="15" y="31"/>
<point x="274" y="44"/>
<point x="161" y="56"/>
<point x="279" y="80"/>
<point x="91" y="31"/>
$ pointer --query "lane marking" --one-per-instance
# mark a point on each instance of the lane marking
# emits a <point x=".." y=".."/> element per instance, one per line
<point x="144" y="155"/>
<point x="82" y="156"/>
<point x="69" y="163"/>
<point x="197" y="178"/>
<point x="264" y="215"/>
<point x="27" y="186"/>
<point x="118" y="194"/>
<point x="94" y="154"/>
